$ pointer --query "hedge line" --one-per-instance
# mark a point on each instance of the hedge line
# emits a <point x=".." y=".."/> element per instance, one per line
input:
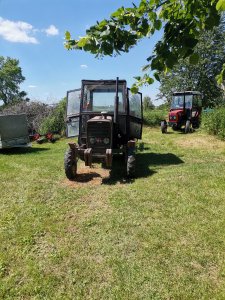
<point x="213" y="121"/>
<point x="154" y="117"/>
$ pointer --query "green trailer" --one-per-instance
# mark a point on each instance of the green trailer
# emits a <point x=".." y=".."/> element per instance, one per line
<point x="14" y="131"/>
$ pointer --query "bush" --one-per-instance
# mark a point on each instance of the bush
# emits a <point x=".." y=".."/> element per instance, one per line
<point x="55" y="122"/>
<point x="214" y="121"/>
<point x="154" y="117"/>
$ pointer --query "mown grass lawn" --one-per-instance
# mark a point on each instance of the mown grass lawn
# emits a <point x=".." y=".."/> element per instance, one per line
<point x="161" y="236"/>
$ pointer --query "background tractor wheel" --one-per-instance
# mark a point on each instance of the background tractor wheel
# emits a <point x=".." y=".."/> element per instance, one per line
<point x="187" y="126"/>
<point x="131" y="162"/>
<point x="175" y="127"/>
<point x="163" y="127"/>
<point x="70" y="164"/>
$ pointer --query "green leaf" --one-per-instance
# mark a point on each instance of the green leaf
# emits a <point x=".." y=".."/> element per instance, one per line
<point x="188" y="52"/>
<point x="190" y="42"/>
<point x="156" y="75"/>
<point x="157" y="64"/>
<point x="67" y="35"/>
<point x="134" y="89"/>
<point x="212" y="20"/>
<point x="118" y="12"/>
<point x="102" y="24"/>
<point x="152" y="16"/>
<point x="82" y="42"/>
<point x="171" y="60"/>
<point x="219" y="78"/>
<point x="194" y="59"/>
<point x="149" y="80"/>
<point x="146" y="67"/>
<point x="220" y="5"/>
<point x="158" y="24"/>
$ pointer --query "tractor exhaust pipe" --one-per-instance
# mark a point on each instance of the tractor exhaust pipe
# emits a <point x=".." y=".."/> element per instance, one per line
<point x="116" y="103"/>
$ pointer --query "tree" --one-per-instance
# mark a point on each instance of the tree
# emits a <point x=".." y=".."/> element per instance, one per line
<point x="147" y="103"/>
<point x="201" y="76"/>
<point x="183" y="21"/>
<point x="10" y="79"/>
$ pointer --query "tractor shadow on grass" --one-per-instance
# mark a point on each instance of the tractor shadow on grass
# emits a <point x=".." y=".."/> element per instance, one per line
<point x="87" y="177"/>
<point x="18" y="151"/>
<point x="144" y="162"/>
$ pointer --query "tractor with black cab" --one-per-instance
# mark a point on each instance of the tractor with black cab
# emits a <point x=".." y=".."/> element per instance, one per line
<point x="107" y="119"/>
<point x="185" y="112"/>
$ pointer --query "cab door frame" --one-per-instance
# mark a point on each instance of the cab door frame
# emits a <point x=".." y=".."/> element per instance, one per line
<point x="135" y="122"/>
<point x="73" y="103"/>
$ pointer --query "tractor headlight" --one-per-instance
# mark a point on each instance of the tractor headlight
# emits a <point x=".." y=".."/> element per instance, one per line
<point x="173" y="117"/>
<point x="92" y="140"/>
<point x="106" y="141"/>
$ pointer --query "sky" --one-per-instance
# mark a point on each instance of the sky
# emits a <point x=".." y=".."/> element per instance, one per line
<point x="32" y="31"/>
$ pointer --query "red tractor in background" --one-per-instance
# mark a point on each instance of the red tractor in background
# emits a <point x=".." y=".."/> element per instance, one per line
<point x="185" y="112"/>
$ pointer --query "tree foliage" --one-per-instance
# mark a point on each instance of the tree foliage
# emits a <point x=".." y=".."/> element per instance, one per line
<point x="10" y="79"/>
<point x="210" y="51"/>
<point x="182" y="21"/>
<point x="55" y="122"/>
<point x="147" y="103"/>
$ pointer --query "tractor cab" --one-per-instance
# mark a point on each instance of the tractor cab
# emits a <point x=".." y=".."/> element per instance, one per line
<point x="185" y="111"/>
<point x="107" y="119"/>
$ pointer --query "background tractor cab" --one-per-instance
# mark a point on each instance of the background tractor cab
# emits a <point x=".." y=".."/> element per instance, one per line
<point x="184" y="112"/>
<point x="107" y="119"/>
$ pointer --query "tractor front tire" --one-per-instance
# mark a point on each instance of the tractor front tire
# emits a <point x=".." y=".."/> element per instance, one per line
<point x="131" y="162"/>
<point x="187" y="126"/>
<point x="163" y="127"/>
<point x="70" y="164"/>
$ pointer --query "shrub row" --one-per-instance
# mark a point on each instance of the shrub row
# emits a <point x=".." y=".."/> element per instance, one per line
<point x="55" y="122"/>
<point x="36" y="112"/>
<point x="213" y="121"/>
<point x="41" y="117"/>
<point x="154" y="117"/>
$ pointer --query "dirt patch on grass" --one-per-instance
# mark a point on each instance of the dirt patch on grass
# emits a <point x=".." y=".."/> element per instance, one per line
<point x="88" y="176"/>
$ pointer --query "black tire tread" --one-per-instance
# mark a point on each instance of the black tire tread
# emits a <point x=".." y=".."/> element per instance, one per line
<point x="131" y="162"/>
<point x="187" y="126"/>
<point x="163" y="127"/>
<point x="70" y="165"/>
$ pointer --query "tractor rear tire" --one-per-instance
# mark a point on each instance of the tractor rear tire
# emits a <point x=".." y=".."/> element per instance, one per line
<point x="70" y="164"/>
<point x="187" y="126"/>
<point x="131" y="162"/>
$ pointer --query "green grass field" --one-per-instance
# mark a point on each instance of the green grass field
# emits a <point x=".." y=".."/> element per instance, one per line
<point x="160" y="236"/>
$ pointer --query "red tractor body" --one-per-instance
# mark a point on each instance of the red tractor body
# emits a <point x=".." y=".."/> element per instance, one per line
<point x="184" y="112"/>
